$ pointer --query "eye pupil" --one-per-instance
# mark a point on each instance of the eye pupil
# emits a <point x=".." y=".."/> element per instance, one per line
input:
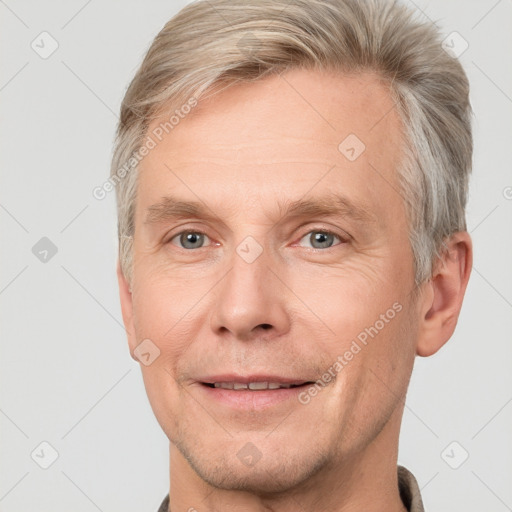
<point x="323" y="239"/>
<point x="192" y="238"/>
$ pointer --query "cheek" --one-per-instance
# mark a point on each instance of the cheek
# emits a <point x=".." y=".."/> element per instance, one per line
<point x="388" y="358"/>
<point x="345" y="302"/>
<point x="163" y="301"/>
<point x="161" y="318"/>
<point x="373" y="373"/>
<point x="165" y="398"/>
<point x="164" y="315"/>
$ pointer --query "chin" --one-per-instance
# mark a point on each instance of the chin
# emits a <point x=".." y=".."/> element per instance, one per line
<point x="264" y="478"/>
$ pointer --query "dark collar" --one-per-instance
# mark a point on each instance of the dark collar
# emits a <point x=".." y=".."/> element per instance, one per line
<point x="409" y="490"/>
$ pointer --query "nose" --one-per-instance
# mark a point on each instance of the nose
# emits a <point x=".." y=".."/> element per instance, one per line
<point x="251" y="302"/>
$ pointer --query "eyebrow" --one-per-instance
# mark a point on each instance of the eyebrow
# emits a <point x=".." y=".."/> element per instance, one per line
<point x="331" y="204"/>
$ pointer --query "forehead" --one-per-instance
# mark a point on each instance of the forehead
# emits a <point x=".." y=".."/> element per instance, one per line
<point x="280" y="136"/>
<point x="300" y="103"/>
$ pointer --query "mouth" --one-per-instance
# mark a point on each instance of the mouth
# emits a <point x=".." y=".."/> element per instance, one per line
<point x="253" y="393"/>
<point x="254" y="386"/>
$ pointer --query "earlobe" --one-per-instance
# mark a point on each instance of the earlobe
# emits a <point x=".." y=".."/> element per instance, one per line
<point x="443" y="294"/>
<point x="125" y="295"/>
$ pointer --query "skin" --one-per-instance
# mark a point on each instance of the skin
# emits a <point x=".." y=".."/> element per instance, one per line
<point x="241" y="152"/>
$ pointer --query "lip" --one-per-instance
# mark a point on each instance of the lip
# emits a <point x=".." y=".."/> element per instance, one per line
<point x="249" y="400"/>
<point x="231" y="377"/>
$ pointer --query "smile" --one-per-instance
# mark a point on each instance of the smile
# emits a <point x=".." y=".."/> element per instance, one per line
<point x="253" y="386"/>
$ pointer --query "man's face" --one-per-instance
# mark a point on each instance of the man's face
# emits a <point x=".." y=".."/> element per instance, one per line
<point x="262" y="293"/>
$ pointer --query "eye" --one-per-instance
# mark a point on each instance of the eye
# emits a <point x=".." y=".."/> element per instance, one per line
<point x="321" y="239"/>
<point x="190" y="239"/>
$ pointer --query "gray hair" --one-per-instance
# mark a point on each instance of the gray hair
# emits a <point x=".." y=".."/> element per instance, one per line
<point x="219" y="43"/>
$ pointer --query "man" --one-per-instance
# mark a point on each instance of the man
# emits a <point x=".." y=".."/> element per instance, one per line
<point x="291" y="181"/>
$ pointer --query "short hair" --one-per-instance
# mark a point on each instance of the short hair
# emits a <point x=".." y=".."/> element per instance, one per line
<point x="214" y="43"/>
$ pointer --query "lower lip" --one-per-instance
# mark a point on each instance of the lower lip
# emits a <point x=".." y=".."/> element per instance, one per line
<point x="251" y="400"/>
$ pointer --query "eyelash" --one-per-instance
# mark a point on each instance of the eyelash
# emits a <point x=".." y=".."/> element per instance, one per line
<point x="342" y="239"/>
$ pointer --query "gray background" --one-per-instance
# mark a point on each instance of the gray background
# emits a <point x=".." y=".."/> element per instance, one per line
<point x="66" y="375"/>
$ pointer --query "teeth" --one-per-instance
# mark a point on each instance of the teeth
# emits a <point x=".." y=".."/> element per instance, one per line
<point x="258" y="385"/>
<point x="255" y="386"/>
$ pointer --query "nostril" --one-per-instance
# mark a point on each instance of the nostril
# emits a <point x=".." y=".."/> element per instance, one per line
<point x="266" y="326"/>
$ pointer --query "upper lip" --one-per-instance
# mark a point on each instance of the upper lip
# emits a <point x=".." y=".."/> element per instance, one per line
<point x="246" y="379"/>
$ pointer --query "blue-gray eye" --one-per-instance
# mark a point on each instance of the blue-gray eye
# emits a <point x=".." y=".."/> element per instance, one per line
<point x="321" y="239"/>
<point x="190" y="239"/>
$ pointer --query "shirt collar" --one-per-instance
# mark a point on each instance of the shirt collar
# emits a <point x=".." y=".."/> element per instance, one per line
<point x="409" y="490"/>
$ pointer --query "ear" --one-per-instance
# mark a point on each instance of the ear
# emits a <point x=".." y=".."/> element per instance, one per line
<point x="125" y="295"/>
<point x="441" y="300"/>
